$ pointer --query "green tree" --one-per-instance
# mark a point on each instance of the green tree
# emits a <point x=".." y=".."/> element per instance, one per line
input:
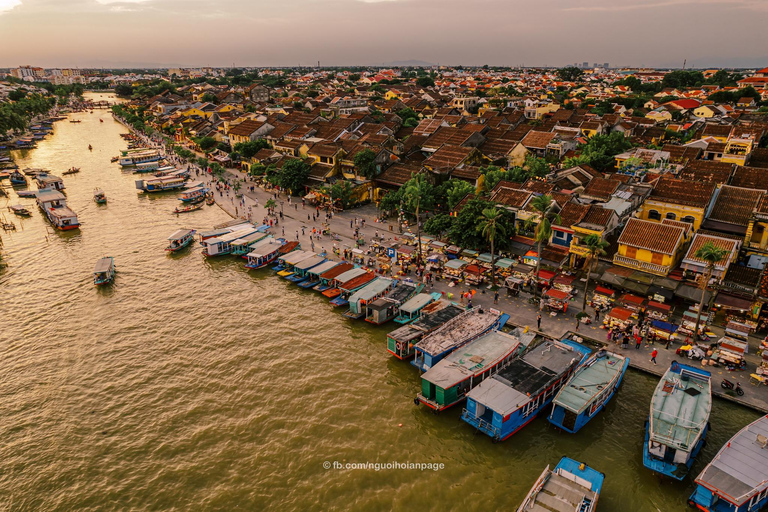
<point x="391" y="201"/>
<point x="537" y="166"/>
<point x="209" y="98"/>
<point x="425" y="81"/>
<point x="365" y="163"/>
<point x="206" y="143"/>
<point x="123" y="90"/>
<point x="250" y="148"/>
<point x="569" y="74"/>
<point x="600" y="150"/>
<point x="595" y="247"/>
<point x="439" y="224"/>
<point x="490" y="226"/>
<point x="418" y="194"/>
<point x="17" y="94"/>
<point x="712" y="255"/>
<point x="457" y="190"/>
<point x="293" y="175"/>
<point x="544" y="208"/>
<point x="341" y="192"/>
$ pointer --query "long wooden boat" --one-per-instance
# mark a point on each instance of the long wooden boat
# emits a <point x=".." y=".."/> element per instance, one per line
<point x="187" y="209"/>
<point x="313" y="274"/>
<point x="411" y="310"/>
<point x="456" y="333"/>
<point x="180" y="239"/>
<point x="736" y="480"/>
<point x="20" y="210"/>
<point x="222" y="245"/>
<point x="400" y="342"/>
<point x="263" y="253"/>
<point x="54" y="204"/>
<point x="104" y="271"/>
<point x="347" y="288"/>
<point x="679" y="420"/>
<point x="333" y="291"/>
<point x="502" y="405"/>
<point x="368" y="293"/>
<point x="571" y="486"/>
<point x="384" y="308"/>
<point x="302" y="268"/>
<point x="587" y="392"/>
<point x="448" y="382"/>
<point x="327" y="277"/>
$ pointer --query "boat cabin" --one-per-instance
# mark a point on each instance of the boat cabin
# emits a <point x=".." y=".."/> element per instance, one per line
<point x="368" y="293"/>
<point x="401" y="341"/>
<point x="313" y="274"/>
<point x="242" y="246"/>
<point x="223" y="244"/>
<point x="385" y="308"/>
<point x="49" y="182"/>
<point x="301" y="269"/>
<point x="104" y="271"/>
<point x="180" y="239"/>
<point x="327" y="277"/>
<point x="263" y="253"/>
<point x="411" y="310"/>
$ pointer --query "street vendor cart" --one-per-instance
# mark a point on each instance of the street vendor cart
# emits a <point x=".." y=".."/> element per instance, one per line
<point x="565" y="283"/>
<point x="730" y="352"/>
<point x="663" y="330"/>
<point x="474" y="274"/>
<point x="602" y="298"/>
<point x="618" y="317"/>
<point x="514" y="285"/>
<point x="556" y="300"/>
<point x="631" y="302"/>
<point x="658" y="311"/>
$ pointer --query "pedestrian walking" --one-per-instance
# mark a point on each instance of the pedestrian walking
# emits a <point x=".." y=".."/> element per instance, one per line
<point x="297" y="236"/>
<point x="653" y="356"/>
<point x="597" y="315"/>
<point x="495" y="296"/>
<point x="638" y="342"/>
<point x="538" y="322"/>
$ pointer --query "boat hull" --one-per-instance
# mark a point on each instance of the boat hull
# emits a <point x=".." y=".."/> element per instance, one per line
<point x="669" y="469"/>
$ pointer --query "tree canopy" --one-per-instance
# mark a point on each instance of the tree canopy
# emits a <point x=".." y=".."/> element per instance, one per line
<point x="250" y="148"/>
<point x="569" y="74"/>
<point x="293" y="175"/>
<point x="365" y="163"/>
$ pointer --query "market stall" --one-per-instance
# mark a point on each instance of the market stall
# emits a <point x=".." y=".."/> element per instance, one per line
<point x="470" y="255"/>
<point x="565" y="283"/>
<point x="739" y="330"/>
<point x="474" y="274"/>
<point x="531" y="258"/>
<point x="514" y="285"/>
<point x="545" y="278"/>
<point x="663" y="330"/>
<point x="452" y="251"/>
<point x="504" y="266"/>
<point x="602" y="298"/>
<point x="454" y="269"/>
<point x="631" y="302"/>
<point x="556" y="300"/>
<point x="730" y="352"/>
<point x="618" y="317"/>
<point x="658" y="311"/>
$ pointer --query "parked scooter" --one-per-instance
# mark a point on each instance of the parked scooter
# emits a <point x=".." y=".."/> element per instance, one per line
<point x="726" y="384"/>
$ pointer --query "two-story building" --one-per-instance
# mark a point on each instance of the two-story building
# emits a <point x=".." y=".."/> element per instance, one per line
<point x="598" y="221"/>
<point x="677" y="199"/>
<point x="651" y="247"/>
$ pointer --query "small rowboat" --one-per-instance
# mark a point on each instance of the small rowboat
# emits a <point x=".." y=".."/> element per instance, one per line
<point x="73" y="170"/>
<point x="20" y="210"/>
<point x="210" y="201"/>
<point x="99" y="196"/>
<point x="186" y="209"/>
<point x="74" y="120"/>
<point x="114" y="159"/>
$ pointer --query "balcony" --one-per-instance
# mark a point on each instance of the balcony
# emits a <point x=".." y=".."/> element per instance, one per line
<point x="644" y="266"/>
<point x="579" y="250"/>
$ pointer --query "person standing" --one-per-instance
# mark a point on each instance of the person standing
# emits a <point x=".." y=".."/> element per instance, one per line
<point x="538" y="322"/>
<point x="496" y="297"/>
<point x="653" y="355"/>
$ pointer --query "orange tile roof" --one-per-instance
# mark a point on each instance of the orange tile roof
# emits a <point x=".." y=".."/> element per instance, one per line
<point x="653" y="236"/>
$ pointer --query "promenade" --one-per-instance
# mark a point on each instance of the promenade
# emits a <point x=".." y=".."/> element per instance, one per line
<point x="297" y="219"/>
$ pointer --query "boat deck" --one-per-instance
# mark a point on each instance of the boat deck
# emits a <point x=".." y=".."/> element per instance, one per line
<point x="559" y="494"/>
<point x="457" y="330"/>
<point x="589" y="381"/>
<point x="680" y="409"/>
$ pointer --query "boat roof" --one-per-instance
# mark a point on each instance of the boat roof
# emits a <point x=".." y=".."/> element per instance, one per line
<point x="62" y="212"/>
<point x="443" y="312"/>
<point x="232" y="235"/>
<point x="323" y="267"/>
<point x="349" y="274"/>
<point x="525" y="377"/>
<point x="48" y="178"/>
<point x="740" y="468"/>
<point x="45" y="196"/>
<point x="252" y="237"/>
<point x="264" y="247"/>
<point x="564" y="488"/>
<point x="103" y="265"/>
<point x="680" y="406"/>
<point x="356" y="282"/>
<point x="310" y="262"/>
<point x="456" y="331"/>
<point x="292" y="258"/>
<point x="400" y="292"/>
<point x="194" y="184"/>
<point x="416" y="303"/>
<point x="476" y="356"/>
<point x="181" y="233"/>
<point x="372" y="289"/>
<point x="336" y="271"/>
<point x="589" y="380"/>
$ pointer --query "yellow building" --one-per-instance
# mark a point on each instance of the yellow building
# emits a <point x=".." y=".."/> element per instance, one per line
<point x="705" y="111"/>
<point x="676" y="199"/>
<point x="392" y="95"/>
<point x="737" y="151"/>
<point x="650" y="247"/>
<point x="756" y="238"/>
<point x="659" y="115"/>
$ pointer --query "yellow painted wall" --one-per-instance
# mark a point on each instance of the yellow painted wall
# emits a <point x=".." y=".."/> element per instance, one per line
<point x="678" y="210"/>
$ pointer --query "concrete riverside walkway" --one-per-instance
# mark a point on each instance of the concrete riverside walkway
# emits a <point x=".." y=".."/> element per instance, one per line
<point x="521" y="312"/>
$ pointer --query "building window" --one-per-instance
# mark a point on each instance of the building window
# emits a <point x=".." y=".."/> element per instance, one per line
<point x="654" y="215"/>
<point x="657" y="259"/>
<point x="689" y="219"/>
<point x="631" y="252"/>
<point x="671" y="216"/>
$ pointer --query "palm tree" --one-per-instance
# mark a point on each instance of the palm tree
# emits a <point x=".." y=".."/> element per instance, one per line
<point x="544" y="208"/>
<point x="418" y="193"/>
<point x="595" y="247"/>
<point x="712" y="255"/>
<point x="490" y="226"/>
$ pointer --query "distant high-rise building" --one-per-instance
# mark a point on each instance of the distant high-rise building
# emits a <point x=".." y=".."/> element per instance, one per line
<point x="585" y="65"/>
<point x="28" y="72"/>
<point x="606" y="65"/>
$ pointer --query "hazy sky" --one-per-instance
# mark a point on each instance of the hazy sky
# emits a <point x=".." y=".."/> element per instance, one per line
<point x="123" y="33"/>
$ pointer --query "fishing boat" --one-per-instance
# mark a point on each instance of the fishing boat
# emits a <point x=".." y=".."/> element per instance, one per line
<point x="18" y="179"/>
<point x="72" y="170"/>
<point x="368" y="293"/>
<point x="286" y="262"/>
<point x="263" y="253"/>
<point x="448" y="382"/>
<point x="736" y="480"/>
<point x="74" y="121"/>
<point x="570" y="487"/>
<point x="54" y="204"/>
<point x="114" y="159"/>
<point x="104" y="272"/>
<point x="242" y="246"/>
<point x="49" y="182"/>
<point x="187" y="209"/>
<point x="384" y="309"/>
<point x="99" y="196"/>
<point x="194" y="195"/>
<point x="588" y="390"/>
<point x="401" y="341"/>
<point x="27" y="193"/>
<point x="327" y="277"/>
<point x="90" y="148"/>
<point x="20" y="210"/>
<point x="678" y="422"/>
<point x="503" y="404"/>
<point x="313" y="274"/>
<point x="456" y="333"/>
<point x="180" y="239"/>
<point x="209" y="200"/>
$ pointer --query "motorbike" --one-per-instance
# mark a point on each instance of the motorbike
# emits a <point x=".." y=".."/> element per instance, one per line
<point x="726" y="384"/>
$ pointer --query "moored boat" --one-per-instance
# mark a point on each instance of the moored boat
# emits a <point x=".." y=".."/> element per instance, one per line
<point x="18" y="179"/>
<point x="71" y="170"/>
<point x="264" y="253"/>
<point x="160" y="184"/>
<point x="411" y="310"/>
<point x="503" y="404"/>
<point x="49" y="182"/>
<point x="327" y="277"/>
<point x="347" y="284"/>
<point x="678" y="422"/>
<point x="222" y="245"/>
<point x="401" y="341"/>
<point x="54" y="204"/>
<point x="20" y="210"/>
<point x="187" y="209"/>
<point x="180" y="239"/>
<point x="370" y="292"/>
<point x="99" y="196"/>
<point x="456" y="333"/>
<point x="570" y="487"/>
<point x="736" y="480"/>
<point x="588" y="391"/>
<point x="314" y="273"/>
<point x="448" y="382"/>
<point x="384" y="309"/>
<point x="242" y="246"/>
<point x="104" y="271"/>
<point x="302" y="268"/>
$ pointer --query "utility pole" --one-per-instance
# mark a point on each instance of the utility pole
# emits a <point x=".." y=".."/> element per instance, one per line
<point x="684" y="61"/>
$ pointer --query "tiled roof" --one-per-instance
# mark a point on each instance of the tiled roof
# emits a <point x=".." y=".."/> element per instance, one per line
<point x="246" y="128"/>
<point x="734" y="205"/>
<point x="716" y="130"/>
<point x="537" y="140"/>
<point x="707" y="170"/>
<point x="597" y="216"/>
<point x="683" y="192"/>
<point x="511" y="197"/>
<point x="655" y="237"/>
<point x="700" y="239"/>
<point x="572" y="213"/>
<point x="447" y="157"/>
<point x="750" y="177"/>
<point x="537" y="186"/>
<point x="397" y="174"/>
<point x="601" y="188"/>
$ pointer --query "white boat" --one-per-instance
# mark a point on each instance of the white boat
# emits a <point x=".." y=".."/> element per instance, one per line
<point x="54" y="204"/>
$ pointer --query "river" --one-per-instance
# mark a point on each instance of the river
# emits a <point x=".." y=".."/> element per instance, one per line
<point x="193" y="384"/>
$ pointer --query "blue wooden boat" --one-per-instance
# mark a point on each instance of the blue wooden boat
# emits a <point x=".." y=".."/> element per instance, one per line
<point x="264" y="252"/>
<point x="503" y="404"/>
<point x="588" y="390"/>
<point x="411" y="310"/>
<point x="328" y="277"/>
<point x="368" y="293"/>
<point x="18" y="179"/>
<point x="180" y="239"/>
<point x="678" y="421"/>
<point x="571" y="486"/>
<point x="104" y="272"/>
<point x="302" y="268"/>
<point x="313" y="274"/>
<point x="737" y="478"/>
<point x="454" y="334"/>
